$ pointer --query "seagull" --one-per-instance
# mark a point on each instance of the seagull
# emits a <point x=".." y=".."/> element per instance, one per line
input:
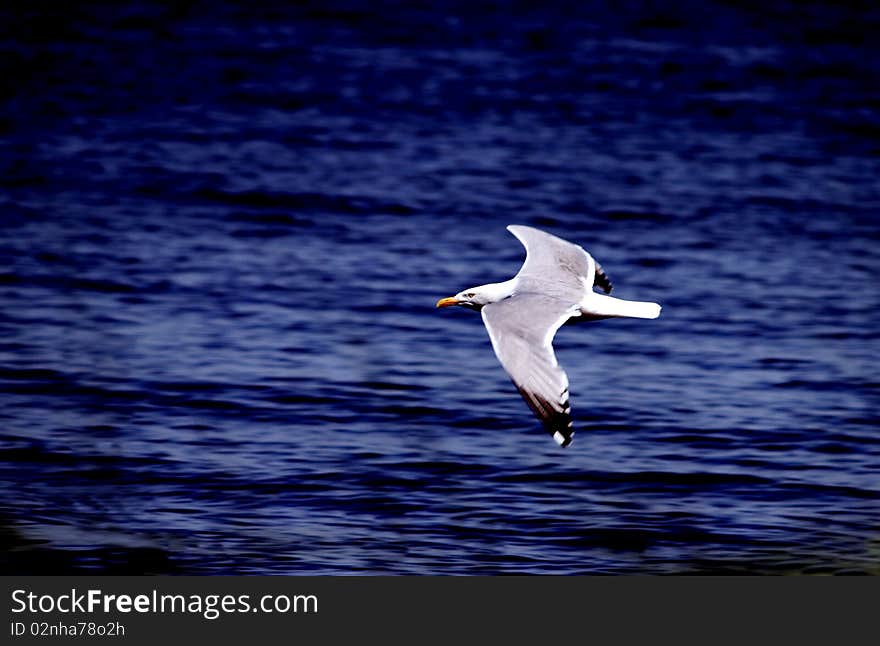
<point x="554" y="286"/>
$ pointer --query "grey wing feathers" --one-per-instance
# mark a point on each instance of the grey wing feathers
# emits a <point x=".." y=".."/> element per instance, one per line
<point x="556" y="266"/>
<point x="521" y="329"/>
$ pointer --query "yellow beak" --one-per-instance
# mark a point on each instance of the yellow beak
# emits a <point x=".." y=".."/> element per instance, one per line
<point x="446" y="302"/>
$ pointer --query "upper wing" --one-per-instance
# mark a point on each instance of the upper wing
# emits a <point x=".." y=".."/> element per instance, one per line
<point x="557" y="267"/>
<point x="521" y="329"/>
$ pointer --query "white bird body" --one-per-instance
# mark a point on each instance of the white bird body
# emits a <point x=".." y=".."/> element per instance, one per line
<point x="522" y="315"/>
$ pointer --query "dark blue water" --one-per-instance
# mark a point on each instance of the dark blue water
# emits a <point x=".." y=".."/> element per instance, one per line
<point x="224" y="228"/>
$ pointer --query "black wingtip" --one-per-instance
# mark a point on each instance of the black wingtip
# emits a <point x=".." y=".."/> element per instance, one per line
<point x="556" y="417"/>
<point x="604" y="282"/>
<point x="563" y="440"/>
<point x="601" y="279"/>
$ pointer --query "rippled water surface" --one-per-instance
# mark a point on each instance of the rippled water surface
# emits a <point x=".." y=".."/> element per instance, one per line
<point x="224" y="230"/>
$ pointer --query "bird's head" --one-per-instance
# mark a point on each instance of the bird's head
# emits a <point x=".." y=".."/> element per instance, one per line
<point x="476" y="297"/>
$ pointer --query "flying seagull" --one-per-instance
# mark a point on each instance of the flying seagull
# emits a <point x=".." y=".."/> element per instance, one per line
<point x="554" y="286"/>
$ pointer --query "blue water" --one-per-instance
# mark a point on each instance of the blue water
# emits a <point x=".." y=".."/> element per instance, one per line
<point x="224" y="229"/>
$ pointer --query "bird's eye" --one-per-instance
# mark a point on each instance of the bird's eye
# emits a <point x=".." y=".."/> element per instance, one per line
<point x="469" y="295"/>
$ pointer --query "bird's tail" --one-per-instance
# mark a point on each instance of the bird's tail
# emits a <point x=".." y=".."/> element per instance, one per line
<point x="600" y="306"/>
